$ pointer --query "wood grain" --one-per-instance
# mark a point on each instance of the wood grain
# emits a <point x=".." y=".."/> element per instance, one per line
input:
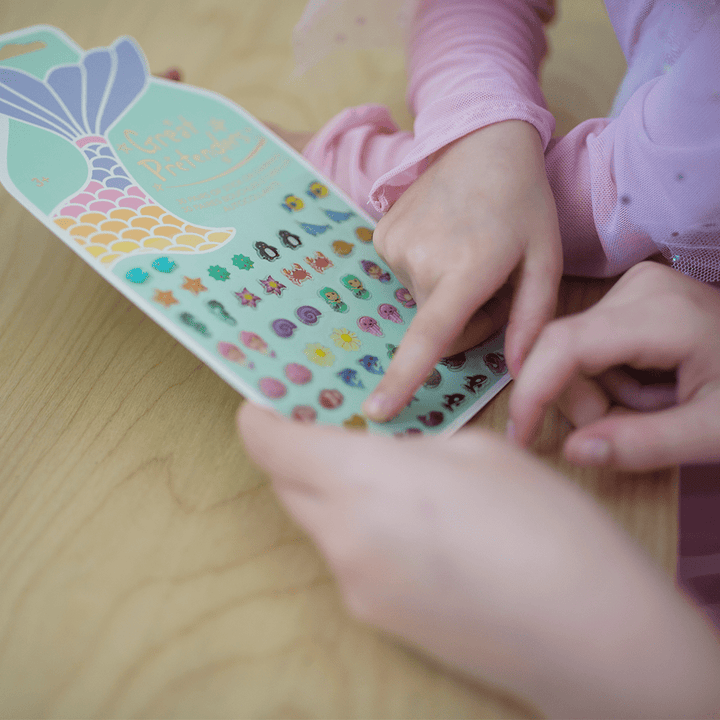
<point x="146" y="568"/>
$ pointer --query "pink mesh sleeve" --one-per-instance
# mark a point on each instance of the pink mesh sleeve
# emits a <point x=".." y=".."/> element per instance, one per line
<point x="648" y="180"/>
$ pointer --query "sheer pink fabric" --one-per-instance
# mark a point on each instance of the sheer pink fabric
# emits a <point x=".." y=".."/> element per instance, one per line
<point x="644" y="180"/>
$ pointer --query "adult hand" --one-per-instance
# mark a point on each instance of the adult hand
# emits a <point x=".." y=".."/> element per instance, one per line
<point x="653" y="318"/>
<point x="477" y="553"/>
<point x="482" y="212"/>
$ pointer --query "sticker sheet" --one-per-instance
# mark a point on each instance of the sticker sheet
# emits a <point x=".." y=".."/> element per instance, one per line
<point x="220" y="232"/>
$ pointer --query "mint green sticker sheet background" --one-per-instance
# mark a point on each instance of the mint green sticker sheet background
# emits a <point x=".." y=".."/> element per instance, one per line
<point x="204" y="196"/>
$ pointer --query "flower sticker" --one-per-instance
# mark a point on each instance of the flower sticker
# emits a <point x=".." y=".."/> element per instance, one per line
<point x="319" y="354"/>
<point x="345" y="339"/>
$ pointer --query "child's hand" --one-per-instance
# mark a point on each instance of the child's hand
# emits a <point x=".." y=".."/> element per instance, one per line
<point x="653" y="318"/>
<point x="482" y="210"/>
<point x="472" y="550"/>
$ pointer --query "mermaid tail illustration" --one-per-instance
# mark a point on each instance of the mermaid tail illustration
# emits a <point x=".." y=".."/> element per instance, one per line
<point x="111" y="217"/>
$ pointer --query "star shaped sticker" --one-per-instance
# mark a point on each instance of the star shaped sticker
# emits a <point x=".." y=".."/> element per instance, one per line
<point x="165" y="298"/>
<point x="272" y="286"/>
<point x="247" y="298"/>
<point x="193" y="285"/>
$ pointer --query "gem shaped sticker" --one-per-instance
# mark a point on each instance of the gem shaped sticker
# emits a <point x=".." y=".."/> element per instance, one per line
<point x="191" y="321"/>
<point x="218" y="273"/>
<point x="331" y="399"/>
<point x="319" y="263"/>
<point x="338" y="216"/>
<point x="296" y="274"/>
<point x="292" y="203"/>
<point x="403" y="296"/>
<point x="218" y="310"/>
<point x="255" y="342"/>
<point x="194" y="285"/>
<point x="355" y="422"/>
<point x="307" y="314"/>
<point x="350" y="377"/>
<point x="333" y="299"/>
<point x="496" y="362"/>
<point x="319" y="354"/>
<point x="342" y="248"/>
<point x="165" y="298"/>
<point x="314" y="229"/>
<point x="234" y="354"/>
<point x="355" y="286"/>
<point x="298" y="374"/>
<point x="454" y="362"/>
<point x="247" y="298"/>
<point x="432" y="419"/>
<point x="372" y="364"/>
<point x="389" y="312"/>
<point x="433" y="379"/>
<point x="272" y="388"/>
<point x="243" y="262"/>
<point x="373" y="270"/>
<point x="317" y="190"/>
<point x="345" y="339"/>
<point x="289" y="240"/>
<point x="137" y="275"/>
<point x="369" y="325"/>
<point x="303" y="413"/>
<point x="266" y="252"/>
<point x="164" y="265"/>
<point x="364" y="234"/>
<point x="283" y="328"/>
<point x="473" y="383"/>
<point x="272" y="286"/>
<point x="452" y="401"/>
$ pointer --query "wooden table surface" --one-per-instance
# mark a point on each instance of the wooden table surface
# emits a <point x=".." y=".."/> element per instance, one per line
<point x="146" y="568"/>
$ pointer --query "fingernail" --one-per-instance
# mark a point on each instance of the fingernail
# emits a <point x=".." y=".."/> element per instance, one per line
<point x="593" y="451"/>
<point x="375" y="407"/>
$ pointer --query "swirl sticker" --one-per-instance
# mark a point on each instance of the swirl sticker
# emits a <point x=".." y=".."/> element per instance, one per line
<point x="307" y="314"/>
<point x="283" y="328"/>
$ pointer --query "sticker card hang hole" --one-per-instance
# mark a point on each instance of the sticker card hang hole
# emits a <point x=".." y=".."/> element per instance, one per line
<point x="221" y="233"/>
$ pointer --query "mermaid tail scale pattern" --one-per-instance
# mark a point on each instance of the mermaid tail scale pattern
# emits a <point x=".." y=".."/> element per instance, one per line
<point x="111" y="216"/>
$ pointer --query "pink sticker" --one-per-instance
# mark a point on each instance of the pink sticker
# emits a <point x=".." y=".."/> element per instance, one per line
<point x="298" y="374"/>
<point x="272" y="388"/>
